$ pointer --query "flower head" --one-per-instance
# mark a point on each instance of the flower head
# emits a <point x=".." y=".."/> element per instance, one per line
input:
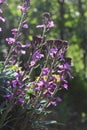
<point x="37" y="56"/>
<point x="10" y="40"/>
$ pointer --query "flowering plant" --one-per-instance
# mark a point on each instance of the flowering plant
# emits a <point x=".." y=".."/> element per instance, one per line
<point x="28" y="88"/>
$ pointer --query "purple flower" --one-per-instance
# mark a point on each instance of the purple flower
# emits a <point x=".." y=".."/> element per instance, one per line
<point x="53" y="52"/>
<point x="58" y="99"/>
<point x="65" y="67"/>
<point x="22" y="8"/>
<point x="51" y="86"/>
<point x="37" y="56"/>
<point x="19" y="101"/>
<point x="1" y="11"/>
<point x="50" y="24"/>
<point x="0" y="29"/>
<point x="10" y="40"/>
<point x="64" y="83"/>
<point x="19" y="74"/>
<point x="2" y="19"/>
<point x="47" y="94"/>
<point x="8" y="96"/>
<point x="65" y="86"/>
<point x="62" y="78"/>
<point x="53" y="103"/>
<point x="20" y="92"/>
<point x="69" y="74"/>
<point x="23" y="52"/>
<point x="8" y="83"/>
<point x="13" y="83"/>
<point x="61" y="57"/>
<point x="40" y="85"/>
<point x="14" y="30"/>
<point x="25" y="46"/>
<point x="1" y="1"/>
<point x="40" y="26"/>
<point x="45" y="71"/>
<point x="25" y="26"/>
<point x="16" y="82"/>
<point x="32" y="63"/>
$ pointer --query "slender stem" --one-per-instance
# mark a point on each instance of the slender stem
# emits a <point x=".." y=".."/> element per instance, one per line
<point x="19" y="28"/>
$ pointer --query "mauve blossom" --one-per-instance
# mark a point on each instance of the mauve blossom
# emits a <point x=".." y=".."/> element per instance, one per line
<point x="1" y="11"/>
<point x="14" y="30"/>
<point x="19" y="73"/>
<point x="22" y="8"/>
<point x="0" y="29"/>
<point x="51" y="86"/>
<point x="13" y="83"/>
<point x="40" y="26"/>
<point x="69" y="74"/>
<point x="17" y="88"/>
<point x="60" y="56"/>
<point x="62" y="78"/>
<point x="40" y="86"/>
<point x="50" y="24"/>
<point x="45" y="71"/>
<point x="1" y="1"/>
<point x="47" y="94"/>
<point x="20" y="92"/>
<point x="23" y="52"/>
<point x="25" y="26"/>
<point x="26" y="45"/>
<point x="16" y="82"/>
<point x="65" y="86"/>
<point x="64" y="82"/>
<point x="65" y="69"/>
<point x="53" y="103"/>
<point x="32" y="63"/>
<point x="53" y="52"/>
<point x="10" y="40"/>
<point x="58" y="99"/>
<point x="2" y="19"/>
<point x="37" y="56"/>
<point x="8" y="83"/>
<point x="67" y="66"/>
<point x="8" y="96"/>
<point x="20" y="101"/>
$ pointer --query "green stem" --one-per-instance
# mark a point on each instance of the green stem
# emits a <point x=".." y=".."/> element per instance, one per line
<point x="19" y="28"/>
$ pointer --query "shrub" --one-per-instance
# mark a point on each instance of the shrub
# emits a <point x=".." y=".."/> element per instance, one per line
<point x="28" y="87"/>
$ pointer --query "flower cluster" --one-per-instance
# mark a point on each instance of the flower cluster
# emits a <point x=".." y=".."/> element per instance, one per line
<point x="34" y="84"/>
<point x="49" y="55"/>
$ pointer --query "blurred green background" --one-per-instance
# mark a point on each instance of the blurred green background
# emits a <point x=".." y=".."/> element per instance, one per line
<point x="70" y="18"/>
